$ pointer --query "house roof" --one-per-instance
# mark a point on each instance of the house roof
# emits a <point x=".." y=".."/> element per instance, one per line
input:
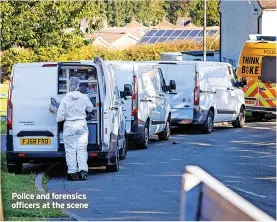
<point x="164" y="24"/>
<point x="109" y="37"/>
<point x="134" y="24"/>
<point x="267" y="4"/>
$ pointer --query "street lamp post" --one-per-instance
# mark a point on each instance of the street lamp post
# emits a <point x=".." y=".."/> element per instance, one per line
<point x="204" y="31"/>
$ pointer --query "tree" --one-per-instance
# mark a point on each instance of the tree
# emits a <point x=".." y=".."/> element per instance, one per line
<point x="175" y="9"/>
<point x="43" y="23"/>
<point x="212" y="13"/>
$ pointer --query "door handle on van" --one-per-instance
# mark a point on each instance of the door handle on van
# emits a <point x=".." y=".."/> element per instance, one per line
<point x="114" y="108"/>
<point x="146" y="100"/>
<point x="262" y="88"/>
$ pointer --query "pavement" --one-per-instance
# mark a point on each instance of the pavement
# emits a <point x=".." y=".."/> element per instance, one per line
<point x="147" y="187"/>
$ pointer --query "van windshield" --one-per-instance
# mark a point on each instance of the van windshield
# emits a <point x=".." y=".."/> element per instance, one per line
<point x="269" y="69"/>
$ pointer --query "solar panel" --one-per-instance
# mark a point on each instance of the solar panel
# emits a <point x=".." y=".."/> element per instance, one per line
<point x="144" y="39"/>
<point x="177" y="33"/>
<point x="155" y="36"/>
<point x="185" y="33"/>
<point x="193" y="33"/>
<point x="159" y="33"/>
<point x="201" y="33"/>
<point x="153" y="39"/>
<point x="168" y="32"/>
<point x="162" y="39"/>
<point x="151" y="33"/>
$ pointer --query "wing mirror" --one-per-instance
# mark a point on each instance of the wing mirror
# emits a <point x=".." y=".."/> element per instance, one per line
<point x="127" y="91"/>
<point x="172" y="86"/>
<point x="243" y="82"/>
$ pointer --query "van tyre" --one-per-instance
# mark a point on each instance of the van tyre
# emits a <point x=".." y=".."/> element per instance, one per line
<point x="145" y="137"/>
<point x="164" y="135"/>
<point x="208" y="125"/>
<point x="123" y="150"/>
<point x="14" y="166"/>
<point x="114" y="167"/>
<point x="239" y="122"/>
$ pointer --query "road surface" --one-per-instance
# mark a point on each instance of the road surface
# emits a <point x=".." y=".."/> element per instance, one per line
<point x="147" y="187"/>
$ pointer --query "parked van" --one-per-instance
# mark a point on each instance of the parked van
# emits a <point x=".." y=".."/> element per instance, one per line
<point x="145" y="97"/>
<point x="257" y="64"/>
<point x="207" y="93"/>
<point x="33" y="135"/>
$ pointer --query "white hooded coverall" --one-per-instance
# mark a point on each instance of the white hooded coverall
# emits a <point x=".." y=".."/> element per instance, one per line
<point x="73" y="109"/>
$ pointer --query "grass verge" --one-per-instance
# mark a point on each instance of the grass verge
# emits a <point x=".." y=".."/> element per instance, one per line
<point x="23" y="183"/>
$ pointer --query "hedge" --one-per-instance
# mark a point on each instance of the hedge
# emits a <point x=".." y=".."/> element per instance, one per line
<point x="143" y="52"/>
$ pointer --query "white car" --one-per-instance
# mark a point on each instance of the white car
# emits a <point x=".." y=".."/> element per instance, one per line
<point x="145" y="97"/>
<point x="207" y="93"/>
<point x="33" y="135"/>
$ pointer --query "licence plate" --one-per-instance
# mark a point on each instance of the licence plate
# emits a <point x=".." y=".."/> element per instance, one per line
<point x="35" y="141"/>
<point x="250" y="102"/>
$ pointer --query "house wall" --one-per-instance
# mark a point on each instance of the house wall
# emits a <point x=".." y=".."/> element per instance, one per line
<point x="238" y="20"/>
<point x="269" y="18"/>
<point x="124" y="42"/>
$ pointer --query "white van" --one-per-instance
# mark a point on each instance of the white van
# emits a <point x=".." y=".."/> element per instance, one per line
<point x="207" y="93"/>
<point x="33" y="135"/>
<point x="145" y="97"/>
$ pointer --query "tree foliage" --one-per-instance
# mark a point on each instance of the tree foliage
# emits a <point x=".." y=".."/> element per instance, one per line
<point x="212" y="13"/>
<point x="33" y="24"/>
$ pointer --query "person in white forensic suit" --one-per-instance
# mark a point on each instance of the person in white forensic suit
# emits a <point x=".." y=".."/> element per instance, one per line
<point x="72" y="110"/>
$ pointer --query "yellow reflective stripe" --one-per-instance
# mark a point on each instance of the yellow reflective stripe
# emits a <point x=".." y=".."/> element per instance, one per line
<point x="250" y="89"/>
<point x="267" y="92"/>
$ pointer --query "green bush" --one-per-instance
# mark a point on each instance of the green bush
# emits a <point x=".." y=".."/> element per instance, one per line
<point x="143" y="52"/>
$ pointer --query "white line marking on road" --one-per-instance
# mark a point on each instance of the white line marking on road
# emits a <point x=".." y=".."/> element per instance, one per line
<point x="245" y="191"/>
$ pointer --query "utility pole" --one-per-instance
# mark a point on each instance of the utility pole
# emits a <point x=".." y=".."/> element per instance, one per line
<point x="204" y="30"/>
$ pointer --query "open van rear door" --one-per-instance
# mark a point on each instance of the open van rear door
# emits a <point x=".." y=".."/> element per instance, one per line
<point x="34" y="127"/>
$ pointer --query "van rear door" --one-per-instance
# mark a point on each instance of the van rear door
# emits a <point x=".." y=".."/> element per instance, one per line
<point x="182" y="100"/>
<point x="34" y="127"/>
<point x="124" y="75"/>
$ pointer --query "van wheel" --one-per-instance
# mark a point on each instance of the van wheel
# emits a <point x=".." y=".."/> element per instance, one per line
<point x="208" y="125"/>
<point x="14" y="166"/>
<point x="239" y="122"/>
<point x="145" y="137"/>
<point x="164" y="135"/>
<point x="123" y="150"/>
<point x="114" y="167"/>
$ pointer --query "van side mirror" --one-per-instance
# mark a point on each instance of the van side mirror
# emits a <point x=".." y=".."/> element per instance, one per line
<point x="172" y="86"/>
<point x="243" y="82"/>
<point x="127" y="90"/>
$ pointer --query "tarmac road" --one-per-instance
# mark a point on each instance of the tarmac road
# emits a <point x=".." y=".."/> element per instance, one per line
<point x="147" y="187"/>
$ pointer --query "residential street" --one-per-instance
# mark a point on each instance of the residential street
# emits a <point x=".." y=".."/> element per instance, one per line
<point x="147" y="187"/>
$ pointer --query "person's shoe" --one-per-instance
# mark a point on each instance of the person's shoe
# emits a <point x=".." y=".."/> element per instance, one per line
<point x="83" y="175"/>
<point x="72" y="176"/>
